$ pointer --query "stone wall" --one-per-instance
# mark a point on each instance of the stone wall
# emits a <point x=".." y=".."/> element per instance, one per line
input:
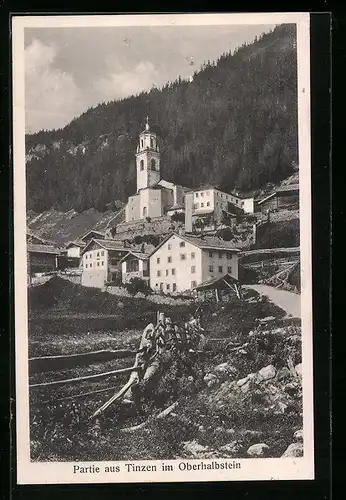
<point x="157" y="225"/>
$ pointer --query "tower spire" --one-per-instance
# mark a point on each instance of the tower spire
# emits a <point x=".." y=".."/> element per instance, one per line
<point x="147" y="123"/>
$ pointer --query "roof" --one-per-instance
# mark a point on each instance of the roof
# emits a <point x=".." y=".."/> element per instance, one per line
<point x="76" y="244"/>
<point x="91" y="231"/>
<point x="34" y="248"/>
<point x="176" y="206"/>
<point x="221" y="282"/>
<point x="205" y="211"/>
<point x="106" y="244"/>
<point x="206" y="242"/>
<point x="138" y="255"/>
<point x="31" y="234"/>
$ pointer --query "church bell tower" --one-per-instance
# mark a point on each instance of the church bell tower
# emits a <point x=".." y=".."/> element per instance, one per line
<point x="147" y="159"/>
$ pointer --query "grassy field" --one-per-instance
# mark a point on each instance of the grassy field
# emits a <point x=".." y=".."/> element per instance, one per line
<point x="60" y="427"/>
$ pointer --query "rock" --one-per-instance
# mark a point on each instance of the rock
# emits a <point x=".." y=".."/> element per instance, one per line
<point x="298" y="368"/>
<point x="298" y="435"/>
<point x="242" y="351"/>
<point x="230" y="448"/>
<point x="194" y="448"/>
<point x="267" y="319"/>
<point x="258" y="450"/>
<point x="242" y="381"/>
<point x="294" y="450"/>
<point x="266" y="373"/>
<point x="283" y="373"/>
<point x="291" y="388"/>
<point x="245" y="387"/>
<point x="210" y="379"/>
<point x="224" y="368"/>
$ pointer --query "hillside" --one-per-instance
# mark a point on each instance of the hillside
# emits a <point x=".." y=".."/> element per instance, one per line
<point x="234" y="125"/>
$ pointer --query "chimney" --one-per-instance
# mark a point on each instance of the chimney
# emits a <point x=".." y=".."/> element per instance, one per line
<point x="188" y="212"/>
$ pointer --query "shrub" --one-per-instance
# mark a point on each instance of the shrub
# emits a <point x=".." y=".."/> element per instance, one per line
<point x="178" y="217"/>
<point x="137" y="285"/>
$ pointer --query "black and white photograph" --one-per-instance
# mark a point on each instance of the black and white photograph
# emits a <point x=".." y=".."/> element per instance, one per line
<point x="162" y="248"/>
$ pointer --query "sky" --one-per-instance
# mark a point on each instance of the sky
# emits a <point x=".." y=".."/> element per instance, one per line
<point x="68" y="70"/>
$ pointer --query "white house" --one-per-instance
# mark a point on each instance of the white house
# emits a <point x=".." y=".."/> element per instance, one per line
<point x="154" y="195"/>
<point x="181" y="262"/>
<point x="210" y="200"/>
<point x="73" y="249"/>
<point x="100" y="262"/>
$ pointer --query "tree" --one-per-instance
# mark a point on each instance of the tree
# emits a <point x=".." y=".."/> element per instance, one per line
<point x="137" y="285"/>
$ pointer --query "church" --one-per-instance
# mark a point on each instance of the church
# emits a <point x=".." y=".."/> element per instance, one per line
<point x="155" y="197"/>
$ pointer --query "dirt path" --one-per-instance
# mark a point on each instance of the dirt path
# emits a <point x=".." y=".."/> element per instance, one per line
<point x="288" y="301"/>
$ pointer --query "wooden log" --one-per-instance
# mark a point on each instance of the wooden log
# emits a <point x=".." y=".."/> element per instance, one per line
<point x="47" y="363"/>
<point x="87" y="377"/>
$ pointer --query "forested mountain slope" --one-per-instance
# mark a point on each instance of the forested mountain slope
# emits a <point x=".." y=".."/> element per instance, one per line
<point x="234" y="125"/>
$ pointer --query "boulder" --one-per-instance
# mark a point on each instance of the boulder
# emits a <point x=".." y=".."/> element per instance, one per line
<point x="230" y="448"/>
<point x="299" y="368"/>
<point x="267" y="319"/>
<point x="245" y="387"/>
<point x="242" y="381"/>
<point x="224" y="368"/>
<point x="194" y="448"/>
<point x="210" y="379"/>
<point x="294" y="450"/>
<point x="283" y="373"/>
<point x="291" y="388"/>
<point x="266" y="373"/>
<point x="258" y="450"/>
<point x="298" y="435"/>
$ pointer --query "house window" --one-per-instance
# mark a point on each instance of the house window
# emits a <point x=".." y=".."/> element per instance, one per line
<point x="161" y="287"/>
<point x="98" y="254"/>
<point x="153" y="164"/>
<point x="169" y="259"/>
<point x="166" y="272"/>
<point x="168" y="286"/>
<point x="202" y="204"/>
<point x="132" y="265"/>
<point x="158" y="260"/>
<point x="86" y="265"/>
<point x="102" y="263"/>
<point x="208" y="203"/>
<point x="174" y="287"/>
<point x="210" y="254"/>
<point x="195" y="205"/>
<point x="91" y="265"/>
<point x="202" y="195"/>
<point x="242" y="203"/>
<point x="182" y="256"/>
<point x="102" y="252"/>
<point x="173" y="272"/>
<point x="193" y="255"/>
<point x="151" y="142"/>
<point x="220" y="255"/>
<point x="236" y="202"/>
<point x="229" y="255"/>
<point x="141" y="163"/>
<point x="182" y="244"/>
<point x="86" y="256"/>
<point x="158" y="273"/>
<point x="145" y="211"/>
<point x="98" y="264"/>
<point x="211" y="269"/>
<point x="220" y="269"/>
<point x="169" y="246"/>
<point x="197" y="195"/>
<point x="193" y="269"/>
<point x="229" y="269"/>
<point x="193" y="284"/>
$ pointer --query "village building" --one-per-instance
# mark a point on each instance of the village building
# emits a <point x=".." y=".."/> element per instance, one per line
<point x="42" y="258"/>
<point x="73" y="249"/>
<point x="135" y="265"/>
<point x="155" y="196"/>
<point x="90" y="235"/>
<point x="100" y="262"/>
<point x="182" y="262"/>
<point x="283" y="197"/>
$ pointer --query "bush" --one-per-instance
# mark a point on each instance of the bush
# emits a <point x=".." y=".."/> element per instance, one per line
<point x="178" y="217"/>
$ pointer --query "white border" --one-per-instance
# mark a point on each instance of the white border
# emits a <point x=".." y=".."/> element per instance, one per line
<point x="258" y="469"/>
